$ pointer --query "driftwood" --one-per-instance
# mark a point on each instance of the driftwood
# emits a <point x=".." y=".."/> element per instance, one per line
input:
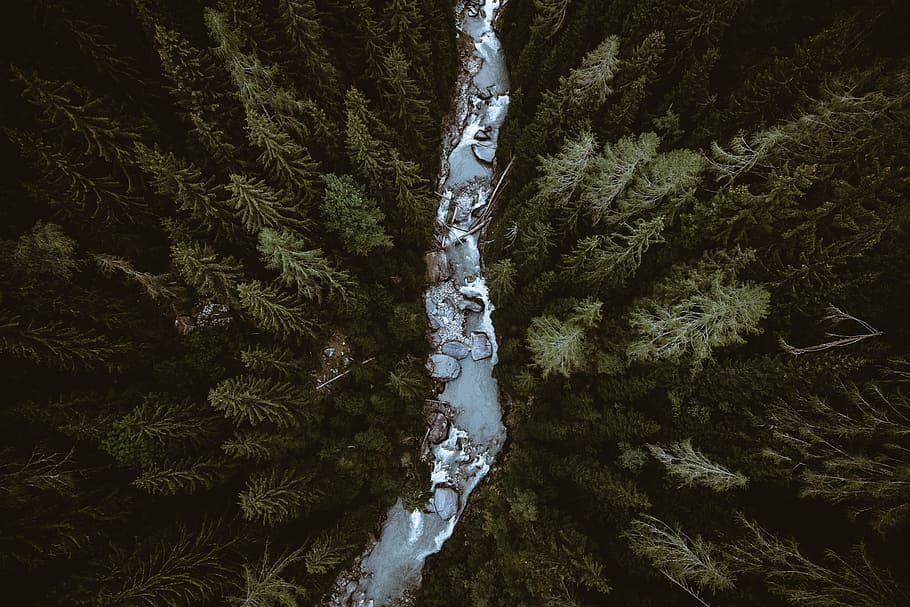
<point x="340" y="375"/>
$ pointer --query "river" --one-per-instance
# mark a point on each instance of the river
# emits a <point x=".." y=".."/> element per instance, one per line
<point x="466" y="432"/>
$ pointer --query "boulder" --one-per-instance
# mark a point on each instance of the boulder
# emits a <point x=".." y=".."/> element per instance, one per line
<point x="480" y="346"/>
<point x="445" y="502"/>
<point x="484" y="153"/>
<point x="439" y="428"/>
<point x="456" y="349"/>
<point x="444" y="367"/>
<point x="481" y="135"/>
<point x="438" y="269"/>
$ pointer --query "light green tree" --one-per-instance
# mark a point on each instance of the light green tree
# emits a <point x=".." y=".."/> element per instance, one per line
<point x="690" y="467"/>
<point x="206" y="271"/>
<point x="683" y="560"/>
<point x="305" y="270"/>
<point x="357" y="220"/>
<point x="277" y="495"/>
<point x="259" y="206"/>
<point x="256" y="400"/>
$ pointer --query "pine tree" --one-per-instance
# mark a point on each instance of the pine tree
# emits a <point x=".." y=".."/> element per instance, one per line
<point x="690" y="468"/>
<point x="156" y="286"/>
<point x="854" y="582"/>
<point x="263" y="585"/>
<point x="45" y="255"/>
<point x="556" y="346"/>
<point x="696" y="309"/>
<point x="607" y="261"/>
<point x="301" y="22"/>
<point x="852" y="449"/>
<point x="160" y="424"/>
<point x="184" y="184"/>
<point x="68" y="108"/>
<point x="682" y="559"/>
<point x="562" y="174"/>
<point x="207" y="272"/>
<point x="277" y="495"/>
<point x="259" y="206"/>
<point x="184" y="568"/>
<point x="305" y="270"/>
<point x="357" y="220"/>
<point x="614" y="170"/>
<point x="549" y="16"/>
<point x="73" y="182"/>
<point x="275" y="311"/>
<point x="273" y="359"/>
<point x="257" y="400"/>
<point x="405" y="101"/>
<point x="55" y="345"/>
<point x="287" y="162"/>
<point x="261" y="445"/>
<point x="186" y="476"/>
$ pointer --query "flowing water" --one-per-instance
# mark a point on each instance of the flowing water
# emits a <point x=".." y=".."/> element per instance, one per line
<point x="468" y="433"/>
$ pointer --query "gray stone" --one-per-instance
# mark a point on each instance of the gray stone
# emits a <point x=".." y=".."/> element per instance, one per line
<point x="482" y="135"/>
<point x="439" y="428"/>
<point x="484" y="153"/>
<point x="445" y="502"/>
<point x="444" y="367"/>
<point x="470" y="306"/>
<point x="480" y="346"/>
<point x="456" y="349"/>
<point x="438" y="269"/>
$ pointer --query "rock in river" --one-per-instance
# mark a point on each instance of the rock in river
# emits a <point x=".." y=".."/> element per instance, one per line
<point x="484" y="153"/>
<point x="445" y="502"/>
<point x="470" y="306"/>
<point x="456" y="349"/>
<point x="439" y="428"/>
<point x="480" y="346"/>
<point x="444" y="367"/>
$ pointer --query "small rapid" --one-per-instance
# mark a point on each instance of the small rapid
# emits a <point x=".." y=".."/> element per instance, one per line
<point x="466" y="431"/>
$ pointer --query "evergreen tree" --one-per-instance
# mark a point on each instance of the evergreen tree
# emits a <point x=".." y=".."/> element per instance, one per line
<point x="683" y="560"/>
<point x="275" y="496"/>
<point x="689" y="467"/>
<point x="275" y="311"/>
<point x="257" y="400"/>
<point x="185" y="568"/>
<point x="303" y="27"/>
<point x="306" y="271"/>
<point x="348" y="211"/>
<point x="206" y="271"/>
<point x="259" y="206"/>
<point x="263" y="585"/>
<point x="185" y="185"/>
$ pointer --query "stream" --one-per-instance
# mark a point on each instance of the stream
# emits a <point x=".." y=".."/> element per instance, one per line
<point x="465" y="431"/>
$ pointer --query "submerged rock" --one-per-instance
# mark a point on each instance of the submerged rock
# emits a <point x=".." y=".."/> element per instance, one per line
<point x="481" y="347"/>
<point x="470" y="306"/>
<point x="456" y="349"/>
<point x="484" y="153"/>
<point x="445" y="502"/>
<point x="444" y="367"/>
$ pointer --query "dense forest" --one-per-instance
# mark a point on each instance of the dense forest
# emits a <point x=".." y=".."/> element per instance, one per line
<point x="213" y="216"/>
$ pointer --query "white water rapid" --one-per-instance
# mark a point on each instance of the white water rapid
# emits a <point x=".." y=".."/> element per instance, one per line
<point x="466" y="432"/>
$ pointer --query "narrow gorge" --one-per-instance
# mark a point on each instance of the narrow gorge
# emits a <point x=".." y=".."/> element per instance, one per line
<point x="465" y="431"/>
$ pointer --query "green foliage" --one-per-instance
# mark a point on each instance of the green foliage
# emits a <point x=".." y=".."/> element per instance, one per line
<point x="277" y="495"/>
<point x="275" y="311"/>
<point x="356" y="219"/>
<point x="257" y="400"/>
<point x="263" y="585"/>
<point x="185" y="568"/>
<point x="306" y="271"/>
